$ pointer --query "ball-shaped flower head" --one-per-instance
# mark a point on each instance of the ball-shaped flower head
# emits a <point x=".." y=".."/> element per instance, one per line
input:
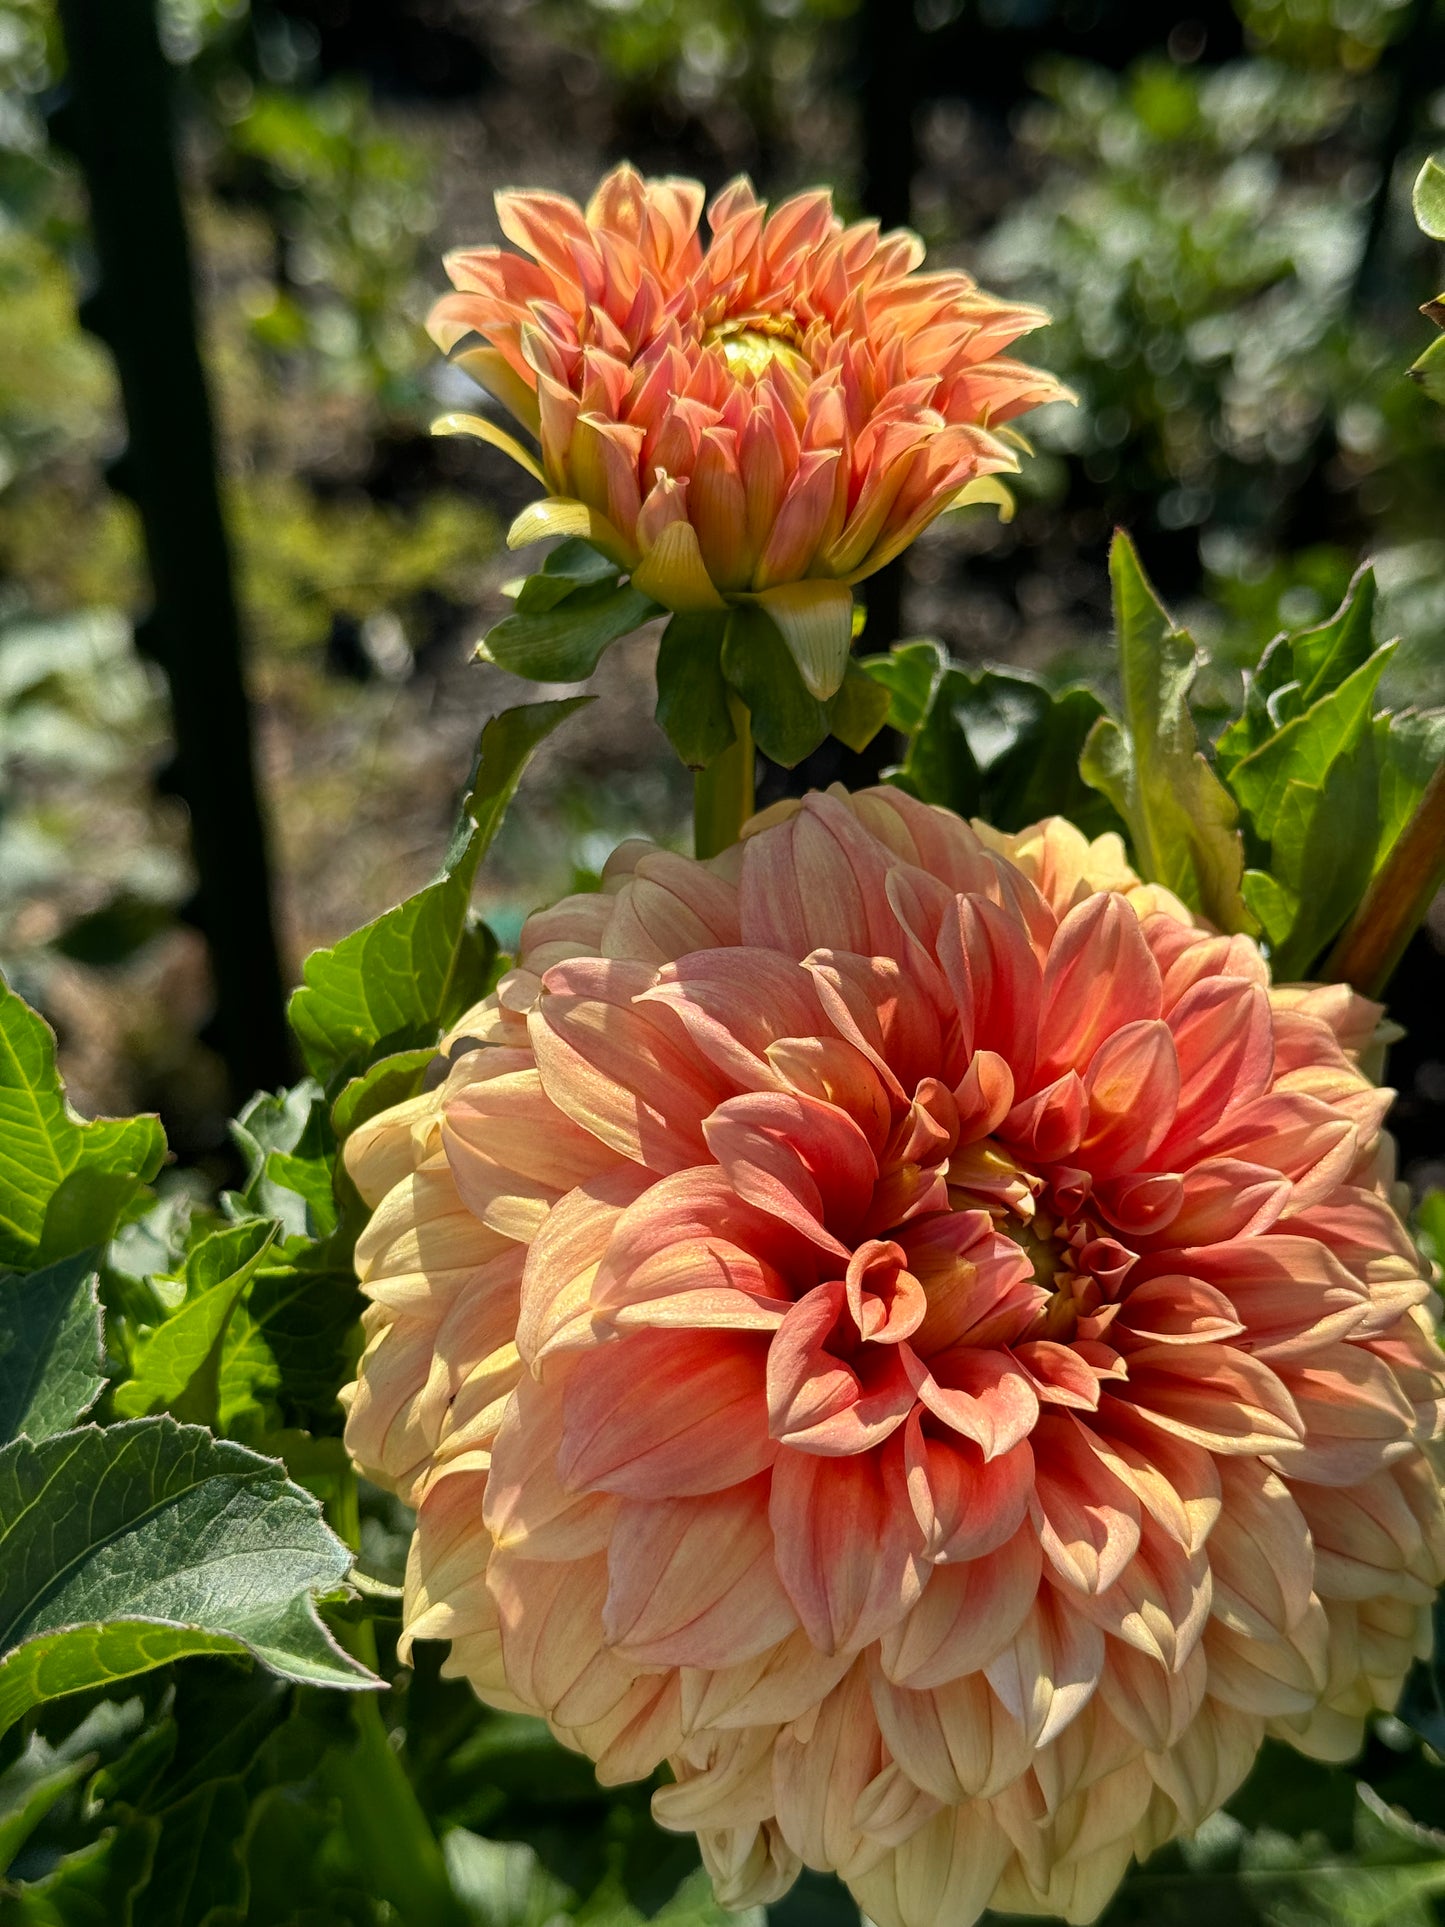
<point x="900" y="1323"/>
<point x="791" y="404"/>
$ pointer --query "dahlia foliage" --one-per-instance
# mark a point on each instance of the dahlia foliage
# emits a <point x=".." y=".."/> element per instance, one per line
<point x="767" y="419"/>
<point x="906" y="1326"/>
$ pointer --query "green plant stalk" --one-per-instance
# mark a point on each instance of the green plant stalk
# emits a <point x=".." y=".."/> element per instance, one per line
<point x="1397" y="900"/>
<point x="723" y="798"/>
<point x="389" y="1834"/>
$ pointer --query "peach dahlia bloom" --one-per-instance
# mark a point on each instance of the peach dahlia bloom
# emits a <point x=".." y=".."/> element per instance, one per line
<point x="902" y="1325"/>
<point x="793" y="403"/>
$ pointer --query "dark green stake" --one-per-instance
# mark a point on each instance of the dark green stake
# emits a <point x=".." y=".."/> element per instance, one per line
<point x="118" y="119"/>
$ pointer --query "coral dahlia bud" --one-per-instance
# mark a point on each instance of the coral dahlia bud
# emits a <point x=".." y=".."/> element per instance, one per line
<point x="903" y="1325"/>
<point x="791" y="404"/>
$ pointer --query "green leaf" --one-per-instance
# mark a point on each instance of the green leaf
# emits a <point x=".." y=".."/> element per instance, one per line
<point x="1299" y="668"/>
<point x="1321" y="855"/>
<point x="63" y="1182"/>
<point x="1014" y="745"/>
<point x="125" y="1548"/>
<point x="1429" y="199"/>
<point x="94" y="1887"/>
<point x="1429" y="1217"/>
<point x="911" y="673"/>
<point x="692" y="695"/>
<point x="788" y="723"/>
<point x="1303" y="751"/>
<point x="50" y="1348"/>
<point x="1181" y="819"/>
<point x="1311" y="793"/>
<point x="564" y="643"/>
<point x="177" y="1366"/>
<point x="859" y="709"/>
<point x="289" y="1148"/>
<point x="396" y="983"/>
<point x="290" y="1344"/>
<point x="389" y="1081"/>
<point x="1429" y="370"/>
<point x="1409" y="748"/>
<point x="29" y="1789"/>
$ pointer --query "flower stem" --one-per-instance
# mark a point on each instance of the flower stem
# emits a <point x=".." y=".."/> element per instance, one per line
<point x="1396" y="902"/>
<point x="723" y="792"/>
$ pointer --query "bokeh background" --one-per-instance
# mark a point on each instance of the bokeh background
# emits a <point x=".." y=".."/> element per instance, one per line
<point x="1211" y="197"/>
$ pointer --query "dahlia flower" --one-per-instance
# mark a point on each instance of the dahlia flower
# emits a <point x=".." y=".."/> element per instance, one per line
<point x="905" y="1326"/>
<point x="772" y="417"/>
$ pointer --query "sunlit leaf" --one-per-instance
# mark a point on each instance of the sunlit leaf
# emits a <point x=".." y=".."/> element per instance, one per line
<point x="123" y="1548"/>
<point x="1299" y="668"/>
<point x="389" y="1081"/>
<point x="63" y="1181"/>
<point x="177" y="1366"/>
<point x="1182" y="822"/>
<point x="911" y="673"/>
<point x="572" y="565"/>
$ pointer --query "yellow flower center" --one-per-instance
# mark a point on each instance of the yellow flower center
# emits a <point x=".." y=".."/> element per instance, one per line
<point x="749" y="347"/>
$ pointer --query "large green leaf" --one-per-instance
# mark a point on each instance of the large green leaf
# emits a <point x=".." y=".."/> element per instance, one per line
<point x="63" y="1181"/>
<point x="397" y="982"/>
<point x="123" y="1548"/>
<point x="50" y="1348"/>
<point x="1182" y="821"/>
<point x="176" y="1367"/>
<point x="994" y="743"/>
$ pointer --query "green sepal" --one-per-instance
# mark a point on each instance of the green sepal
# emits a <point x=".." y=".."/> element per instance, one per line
<point x="860" y="708"/>
<point x="692" y="693"/>
<point x="565" y="642"/>
<point x="572" y="565"/>
<point x="788" y="722"/>
<point x="1429" y="369"/>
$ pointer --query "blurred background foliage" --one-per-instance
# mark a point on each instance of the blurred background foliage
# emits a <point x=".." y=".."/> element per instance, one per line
<point x="1212" y="199"/>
